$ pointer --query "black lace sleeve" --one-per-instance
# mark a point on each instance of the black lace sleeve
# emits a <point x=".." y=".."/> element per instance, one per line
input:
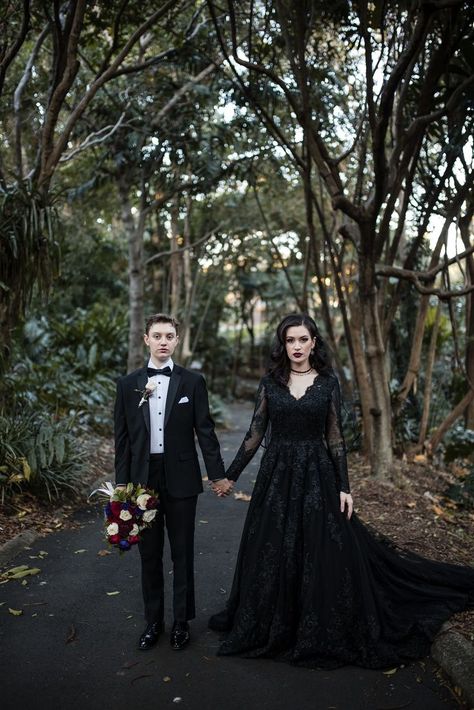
<point x="253" y="437"/>
<point x="335" y="439"/>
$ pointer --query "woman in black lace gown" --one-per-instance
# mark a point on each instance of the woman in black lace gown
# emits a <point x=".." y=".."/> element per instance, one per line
<point x="313" y="585"/>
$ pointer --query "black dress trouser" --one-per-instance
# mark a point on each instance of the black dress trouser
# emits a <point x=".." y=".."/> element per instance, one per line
<point x="178" y="514"/>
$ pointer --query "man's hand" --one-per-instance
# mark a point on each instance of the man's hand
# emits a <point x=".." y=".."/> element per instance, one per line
<point x="346" y="502"/>
<point x="223" y="487"/>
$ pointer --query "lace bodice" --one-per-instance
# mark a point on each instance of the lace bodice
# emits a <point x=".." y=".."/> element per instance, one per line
<point x="315" y="417"/>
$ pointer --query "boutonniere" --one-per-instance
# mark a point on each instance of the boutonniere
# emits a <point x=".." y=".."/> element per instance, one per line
<point x="147" y="391"/>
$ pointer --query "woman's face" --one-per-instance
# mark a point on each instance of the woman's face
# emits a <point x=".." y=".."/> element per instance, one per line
<point x="298" y="344"/>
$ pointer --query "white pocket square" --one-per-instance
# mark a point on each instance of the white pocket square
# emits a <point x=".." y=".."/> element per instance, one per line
<point x="183" y="400"/>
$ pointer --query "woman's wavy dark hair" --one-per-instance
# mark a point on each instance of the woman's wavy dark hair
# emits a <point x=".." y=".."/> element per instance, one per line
<point x="280" y="363"/>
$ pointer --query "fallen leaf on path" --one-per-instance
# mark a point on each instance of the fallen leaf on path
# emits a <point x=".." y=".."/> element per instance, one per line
<point x="79" y="552"/>
<point x="14" y="570"/>
<point x="240" y="495"/>
<point x="104" y="553"/>
<point x="72" y="634"/>
<point x="204" y="521"/>
<point x="177" y="700"/>
<point x="166" y="679"/>
<point x="391" y="671"/>
<point x="112" y="594"/>
<point x="24" y="583"/>
<point x="15" y="612"/>
<point x="20" y="572"/>
<point x="420" y="458"/>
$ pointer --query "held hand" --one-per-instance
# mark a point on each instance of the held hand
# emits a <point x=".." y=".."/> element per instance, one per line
<point x="223" y="487"/>
<point x="346" y="502"/>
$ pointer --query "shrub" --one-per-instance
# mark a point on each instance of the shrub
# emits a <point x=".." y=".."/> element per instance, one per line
<point x="40" y="453"/>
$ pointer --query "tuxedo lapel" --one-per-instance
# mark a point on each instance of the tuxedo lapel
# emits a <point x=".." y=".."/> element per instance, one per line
<point x="142" y="379"/>
<point x="172" y="389"/>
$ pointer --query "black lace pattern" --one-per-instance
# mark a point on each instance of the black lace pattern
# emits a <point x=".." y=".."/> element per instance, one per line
<point x="311" y="587"/>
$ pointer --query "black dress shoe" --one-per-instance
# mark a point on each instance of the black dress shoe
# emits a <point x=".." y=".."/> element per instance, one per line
<point x="180" y="636"/>
<point x="150" y="636"/>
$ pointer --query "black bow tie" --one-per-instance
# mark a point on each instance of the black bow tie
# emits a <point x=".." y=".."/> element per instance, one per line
<point x="151" y="372"/>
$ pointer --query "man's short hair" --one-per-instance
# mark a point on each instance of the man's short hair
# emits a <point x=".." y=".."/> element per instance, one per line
<point x="161" y="318"/>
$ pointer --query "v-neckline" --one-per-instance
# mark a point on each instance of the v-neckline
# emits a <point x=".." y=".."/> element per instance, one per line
<point x="297" y="399"/>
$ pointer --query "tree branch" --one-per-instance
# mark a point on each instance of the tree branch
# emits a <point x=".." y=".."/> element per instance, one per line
<point x="16" y="46"/>
<point x="17" y="100"/>
<point x="182" y="91"/>
<point x="170" y="252"/>
<point x="95" y="138"/>
<point x="50" y="163"/>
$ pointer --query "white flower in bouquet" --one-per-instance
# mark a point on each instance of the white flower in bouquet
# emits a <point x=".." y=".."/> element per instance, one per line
<point x="143" y="500"/>
<point x="135" y="530"/>
<point x="112" y="529"/>
<point x="149" y="515"/>
<point x="125" y="515"/>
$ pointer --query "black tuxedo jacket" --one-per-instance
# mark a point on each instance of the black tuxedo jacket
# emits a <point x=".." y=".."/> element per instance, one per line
<point x="182" y="421"/>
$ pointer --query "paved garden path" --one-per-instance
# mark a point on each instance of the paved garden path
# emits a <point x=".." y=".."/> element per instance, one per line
<point x="74" y="645"/>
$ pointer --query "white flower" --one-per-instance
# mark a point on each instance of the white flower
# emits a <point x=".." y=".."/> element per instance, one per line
<point x="112" y="529"/>
<point x="147" y="392"/>
<point x="134" y="530"/>
<point x="125" y="515"/>
<point x="148" y="515"/>
<point x="151" y="385"/>
<point x="143" y="500"/>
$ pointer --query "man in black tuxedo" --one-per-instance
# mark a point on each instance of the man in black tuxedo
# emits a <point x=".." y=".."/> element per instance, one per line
<point x="155" y="446"/>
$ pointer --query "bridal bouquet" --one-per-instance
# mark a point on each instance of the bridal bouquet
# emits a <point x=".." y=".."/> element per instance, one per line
<point x="128" y="511"/>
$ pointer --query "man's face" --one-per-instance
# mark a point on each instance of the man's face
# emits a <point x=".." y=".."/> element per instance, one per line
<point x="162" y="341"/>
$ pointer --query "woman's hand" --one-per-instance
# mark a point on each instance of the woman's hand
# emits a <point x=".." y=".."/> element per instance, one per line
<point x="223" y="487"/>
<point x="346" y="502"/>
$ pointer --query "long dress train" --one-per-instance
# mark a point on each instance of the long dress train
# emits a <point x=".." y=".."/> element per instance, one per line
<point x="311" y="587"/>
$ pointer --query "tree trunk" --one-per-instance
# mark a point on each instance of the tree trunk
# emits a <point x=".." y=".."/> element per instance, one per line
<point x="134" y="234"/>
<point x="362" y="378"/>
<point x="175" y="259"/>
<point x="428" y="378"/>
<point x="415" y="353"/>
<point x="381" y="453"/>
<point x="185" y="350"/>
<point x="449" y="421"/>
<point x="465" y="230"/>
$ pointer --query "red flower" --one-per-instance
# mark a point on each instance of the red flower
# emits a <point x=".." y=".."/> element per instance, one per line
<point x="133" y="539"/>
<point x="124" y="527"/>
<point x="116" y="507"/>
<point x="152" y="503"/>
<point x="114" y="539"/>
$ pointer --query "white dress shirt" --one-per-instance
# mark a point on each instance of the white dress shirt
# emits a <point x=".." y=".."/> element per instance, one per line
<point x="157" y="404"/>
